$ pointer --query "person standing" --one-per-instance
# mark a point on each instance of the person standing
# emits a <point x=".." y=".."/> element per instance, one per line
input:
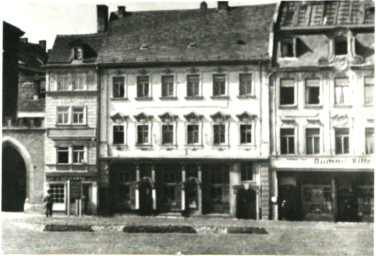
<point x="48" y="202"/>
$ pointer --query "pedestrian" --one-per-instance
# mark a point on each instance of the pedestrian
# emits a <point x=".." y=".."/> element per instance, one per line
<point x="48" y="203"/>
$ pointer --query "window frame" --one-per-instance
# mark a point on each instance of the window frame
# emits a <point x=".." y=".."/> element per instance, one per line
<point x="343" y="92"/>
<point x="312" y="140"/>
<point x="199" y="94"/>
<point x="59" y="112"/>
<point x="77" y="49"/>
<point x="81" y="77"/>
<point x="306" y="90"/>
<point x="224" y="134"/>
<point x="163" y="143"/>
<point x="251" y="133"/>
<point x="244" y="174"/>
<point x="294" y="86"/>
<point x="169" y="86"/>
<point x="198" y="134"/>
<point x="341" y="39"/>
<point x="294" y="136"/>
<point x="66" y="150"/>
<point x="116" y="87"/>
<point x="372" y="85"/>
<point x="251" y="92"/>
<point x="70" y="112"/>
<point x="292" y="42"/>
<point x="113" y="134"/>
<point x="145" y="78"/>
<point x="148" y="134"/>
<point x="343" y="137"/>
<point x="225" y="86"/>
<point x="366" y="131"/>
<point x="73" y="108"/>
<point x="79" y="151"/>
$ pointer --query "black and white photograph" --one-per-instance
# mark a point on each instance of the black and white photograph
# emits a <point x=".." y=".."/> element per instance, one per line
<point x="188" y="128"/>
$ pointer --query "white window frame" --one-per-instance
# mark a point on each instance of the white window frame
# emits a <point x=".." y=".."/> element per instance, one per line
<point x="199" y="142"/>
<point x="124" y="133"/>
<point x="70" y="115"/>
<point x="77" y="48"/>
<point x="83" y="151"/>
<point x="199" y="77"/>
<point x="372" y="85"/>
<point x="296" y="139"/>
<point x="73" y="113"/>
<point x="149" y="85"/>
<point x="59" y="111"/>
<point x="83" y="78"/>
<point x="59" y="206"/>
<point x="295" y="92"/>
<point x="225" y="143"/>
<point x="173" y="134"/>
<point x="225" y="94"/>
<point x="365" y="140"/>
<point x="148" y="143"/>
<point x="306" y="86"/>
<point x="71" y="152"/>
<point x="349" y="93"/>
<point x="335" y="139"/>
<point x="252" y="134"/>
<point x="252" y="92"/>
<point x="57" y="154"/>
<point x="320" y="140"/>
<point x="294" y="50"/>
<point x="66" y="81"/>
<point x="113" y="86"/>
<point x="174" y="82"/>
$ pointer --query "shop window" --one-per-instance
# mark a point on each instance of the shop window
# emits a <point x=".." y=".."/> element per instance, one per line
<point x="57" y="192"/>
<point x="219" y="85"/>
<point x="63" y="155"/>
<point x="219" y="134"/>
<point x="245" y="84"/>
<point x="193" y="134"/>
<point x="77" y="53"/>
<point x="312" y="141"/>
<point x="193" y="85"/>
<point x="287" y="92"/>
<point x="167" y="86"/>
<point x="340" y="45"/>
<point x="342" y="140"/>
<point x="143" y="87"/>
<point x="246" y="171"/>
<point x="167" y="134"/>
<point x="287" y="141"/>
<point x="245" y="133"/>
<point x="369" y="86"/>
<point x="78" y="154"/>
<point x="142" y="134"/>
<point x="118" y="87"/>
<point x="370" y="141"/>
<point x="118" y="134"/>
<point x="312" y="91"/>
<point x="63" y="115"/>
<point x="78" y="115"/>
<point x="288" y="48"/>
<point x="342" y="91"/>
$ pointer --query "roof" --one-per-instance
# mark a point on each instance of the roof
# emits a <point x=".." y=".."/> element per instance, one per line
<point x="62" y="49"/>
<point x="326" y="13"/>
<point x="238" y="33"/>
<point x="31" y="56"/>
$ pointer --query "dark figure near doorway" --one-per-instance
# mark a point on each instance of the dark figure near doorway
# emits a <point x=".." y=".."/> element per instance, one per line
<point x="288" y="203"/>
<point x="48" y="204"/>
<point x="246" y="204"/>
<point x="146" y="201"/>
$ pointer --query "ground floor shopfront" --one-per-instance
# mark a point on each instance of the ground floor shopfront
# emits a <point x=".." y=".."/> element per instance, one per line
<point x="188" y="187"/>
<point x="329" y="190"/>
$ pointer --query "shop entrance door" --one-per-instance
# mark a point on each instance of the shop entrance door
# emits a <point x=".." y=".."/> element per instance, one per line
<point x="347" y="208"/>
<point x="246" y="204"/>
<point x="86" y="199"/>
<point x="146" y="200"/>
<point x="288" y="198"/>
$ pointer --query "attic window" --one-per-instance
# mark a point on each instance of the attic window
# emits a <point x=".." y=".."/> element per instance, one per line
<point x="144" y="47"/>
<point x="77" y="53"/>
<point x="240" y="42"/>
<point x="192" y="44"/>
<point x="340" y="45"/>
<point x="287" y="47"/>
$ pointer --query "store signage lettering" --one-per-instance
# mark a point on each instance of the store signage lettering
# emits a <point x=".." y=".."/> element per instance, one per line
<point x="343" y="161"/>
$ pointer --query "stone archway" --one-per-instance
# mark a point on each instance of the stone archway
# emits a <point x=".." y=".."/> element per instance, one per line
<point x="16" y="166"/>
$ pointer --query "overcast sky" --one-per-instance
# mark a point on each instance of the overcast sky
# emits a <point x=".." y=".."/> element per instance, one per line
<point x="43" y="20"/>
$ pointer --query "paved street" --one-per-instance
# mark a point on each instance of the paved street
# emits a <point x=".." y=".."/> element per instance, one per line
<point x="23" y="234"/>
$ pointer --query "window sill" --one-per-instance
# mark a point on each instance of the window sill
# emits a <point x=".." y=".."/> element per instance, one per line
<point x="120" y="146"/>
<point x="311" y="106"/>
<point x="119" y="99"/>
<point x="220" y="97"/>
<point x="288" y="106"/>
<point x="246" y="96"/>
<point x="293" y="58"/>
<point x="71" y="125"/>
<point x="169" y="146"/>
<point x="221" y="147"/>
<point x="144" y="146"/>
<point x="194" y="98"/>
<point x="168" y="98"/>
<point x="144" y="98"/>
<point x="247" y="146"/>
<point x="343" y="106"/>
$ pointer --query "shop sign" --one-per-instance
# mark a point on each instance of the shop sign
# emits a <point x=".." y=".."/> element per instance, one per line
<point x="323" y="162"/>
<point x="72" y="178"/>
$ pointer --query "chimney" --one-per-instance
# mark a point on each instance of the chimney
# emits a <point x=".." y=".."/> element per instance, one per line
<point x="102" y="18"/>
<point x="42" y="44"/>
<point x="203" y="6"/>
<point x="23" y="40"/>
<point x="222" y="5"/>
<point x="121" y="11"/>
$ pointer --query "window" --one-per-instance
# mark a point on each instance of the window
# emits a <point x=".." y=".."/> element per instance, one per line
<point x="63" y="155"/>
<point x="219" y="134"/>
<point x="118" y="87"/>
<point x="192" y="133"/>
<point x="287" y="92"/>
<point x="219" y="85"/>
<point x="246" y="171"/>
<point x="245" y="84"/>
<point x="312" y="91"/>
<point x="78" y="115"/>
<point x="245" y="133"/>
<point x="342" y="91"/>
<point x="312" y="141"/>
<point x="370" y="141"/>
<point x="342" y="140"/>
<point x="142" y="86"/>
<point x="287" y="48"/>
<point x="142" y="134"/>
<point x="78" y="82"/>
<point x="63" y="83"/>
<point x="63" y="115"/>
<point x="57" y="192"/>
<point x="39" y="89"/>
<point x="167" y="134"/>
<point x="340" y="45"/>
<point x="77" y="53"/>
<point x="118" y="134"/>
<point x="193" y="85"/>
<point x="78" y="154"/>
<point x="369" y="86"/>
<point x="287" y="141"/>
<point x="167" y="86"/>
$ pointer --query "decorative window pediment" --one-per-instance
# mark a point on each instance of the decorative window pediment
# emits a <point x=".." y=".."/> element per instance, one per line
<point x="193" y="70"/>
<point x="219" y="117"/>
<point x="340" y="120"/>
<point x="118" y="118"/>
<point x="167" y="71"/>
<point x="246" y="117"/>
<point x="143" y="72"/>
<point x="168" y="117"/>
<point x="288" y="122"/>
<point x="314" y="121"/>
<point x="143" y="118"/>
<point x="193" y="117"/>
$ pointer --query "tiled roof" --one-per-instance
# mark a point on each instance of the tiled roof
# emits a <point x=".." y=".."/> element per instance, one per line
<point x="326" y="13"/>
<point x="31" y="55"/>
<point x="239" y="33"/>
<point x="62" y="50"/>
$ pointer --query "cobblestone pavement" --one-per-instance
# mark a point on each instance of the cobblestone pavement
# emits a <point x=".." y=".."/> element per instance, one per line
<point x="22" y="233"/>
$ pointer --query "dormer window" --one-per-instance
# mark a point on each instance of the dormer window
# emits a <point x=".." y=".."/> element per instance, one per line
<point x="288" y="48"/>
<point x="77" y="53"/>
<point x="340" y="45"/>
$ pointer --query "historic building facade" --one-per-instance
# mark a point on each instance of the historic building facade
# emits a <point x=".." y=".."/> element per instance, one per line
<point x="183" y="111"/>
<point x="322" y="111"/>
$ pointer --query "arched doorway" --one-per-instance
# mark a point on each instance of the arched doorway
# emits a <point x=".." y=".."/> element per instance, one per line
<point x="14" y="179"/>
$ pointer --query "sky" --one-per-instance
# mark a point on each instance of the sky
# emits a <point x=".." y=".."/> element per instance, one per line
<point x="43" y="20"/>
